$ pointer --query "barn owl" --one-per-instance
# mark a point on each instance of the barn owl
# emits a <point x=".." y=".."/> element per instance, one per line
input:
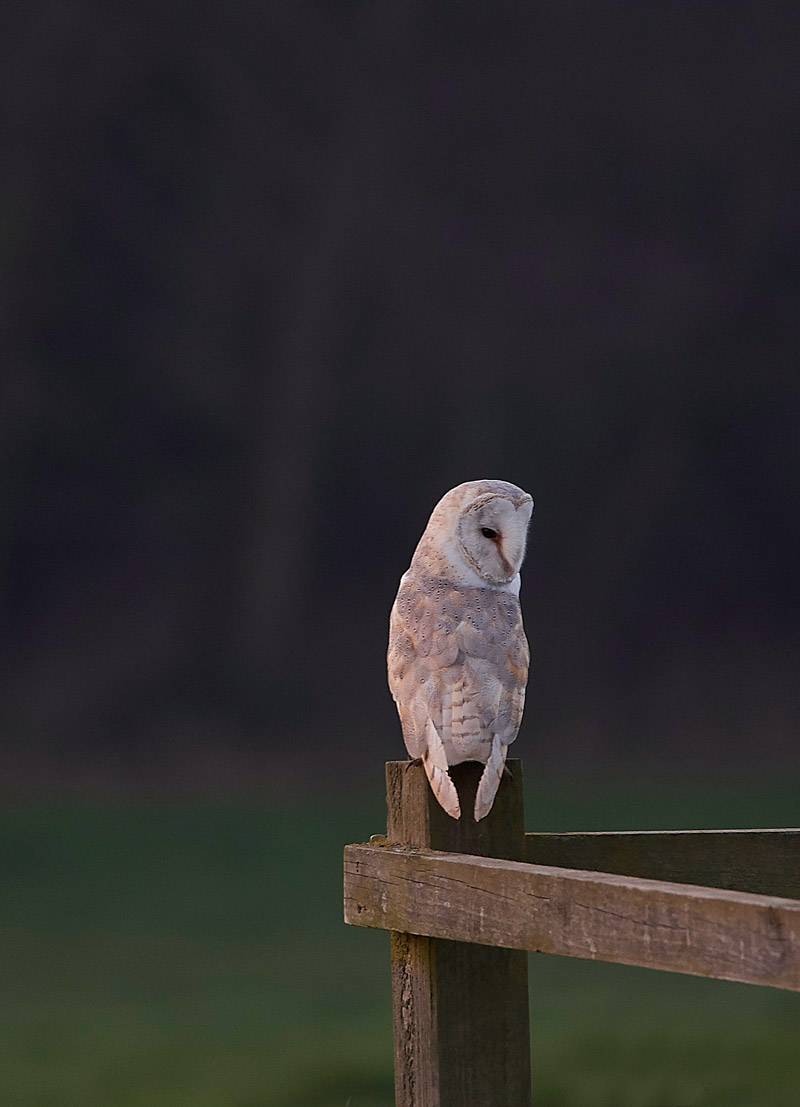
<point x="458" y="656"/>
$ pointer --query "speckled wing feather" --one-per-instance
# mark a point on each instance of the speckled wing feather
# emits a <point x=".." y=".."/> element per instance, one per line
<point x="458" y="665"/>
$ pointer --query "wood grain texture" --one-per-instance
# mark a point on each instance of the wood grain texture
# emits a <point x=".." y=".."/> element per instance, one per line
<point x="677" y="927"/>
<point x="414" y="818"/>
<point x="762" y="861"/>
<point x="461" y="1022"/>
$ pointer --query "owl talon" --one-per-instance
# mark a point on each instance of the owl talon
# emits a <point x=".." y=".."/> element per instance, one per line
<point x="413" y="761"/>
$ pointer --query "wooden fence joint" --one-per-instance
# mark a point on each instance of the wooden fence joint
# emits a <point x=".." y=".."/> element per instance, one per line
<point x="464" y="901"/>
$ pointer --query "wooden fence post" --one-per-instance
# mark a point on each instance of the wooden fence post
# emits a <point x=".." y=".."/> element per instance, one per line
<point x="461" y="1024"/>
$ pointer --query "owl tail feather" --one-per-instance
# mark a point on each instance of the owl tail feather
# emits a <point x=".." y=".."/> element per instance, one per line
<point x="434" y="761"/>
<point x="490" y="778"/>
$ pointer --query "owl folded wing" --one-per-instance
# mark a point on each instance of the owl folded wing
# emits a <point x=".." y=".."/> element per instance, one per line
<point x="416" y="656"/>
<point x="496" y="650"/>
<point x="459" y="661"/>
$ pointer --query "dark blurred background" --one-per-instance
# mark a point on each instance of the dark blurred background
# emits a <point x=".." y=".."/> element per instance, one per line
<point x="279" y="275"/>
<point x="275" y="276"/>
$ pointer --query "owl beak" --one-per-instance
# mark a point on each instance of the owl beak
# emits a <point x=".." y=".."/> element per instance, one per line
<point x="507" y="568"/>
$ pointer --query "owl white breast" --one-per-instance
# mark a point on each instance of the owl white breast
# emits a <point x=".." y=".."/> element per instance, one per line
<point x="458" y="657"/>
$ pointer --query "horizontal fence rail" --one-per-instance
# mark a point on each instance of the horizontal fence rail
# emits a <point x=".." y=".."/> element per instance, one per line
<point x="703" y="931"/>
<point x="464" y="901"/>
<point x="763" y="861"/>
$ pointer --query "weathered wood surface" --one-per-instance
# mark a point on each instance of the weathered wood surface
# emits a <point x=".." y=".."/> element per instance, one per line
<point x="414" y="818"/>
<point x="762" y="861"/>
<point x="461" y="1025"/>
<point x="677" y="927"/>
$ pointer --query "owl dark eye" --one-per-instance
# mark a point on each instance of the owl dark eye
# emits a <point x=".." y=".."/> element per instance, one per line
<point x="487" y="532"/>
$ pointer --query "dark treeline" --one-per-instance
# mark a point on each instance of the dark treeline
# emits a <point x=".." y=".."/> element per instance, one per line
<point x="278" y="275"/>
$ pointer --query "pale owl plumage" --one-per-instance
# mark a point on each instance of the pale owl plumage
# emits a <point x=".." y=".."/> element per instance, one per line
<point x="458" y="657"/>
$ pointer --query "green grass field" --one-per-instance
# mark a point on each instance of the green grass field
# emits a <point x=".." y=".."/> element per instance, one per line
<point x="193" y="955"/>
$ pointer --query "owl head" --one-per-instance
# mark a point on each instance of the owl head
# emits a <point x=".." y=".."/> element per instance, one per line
<point x="477" y="534"/>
